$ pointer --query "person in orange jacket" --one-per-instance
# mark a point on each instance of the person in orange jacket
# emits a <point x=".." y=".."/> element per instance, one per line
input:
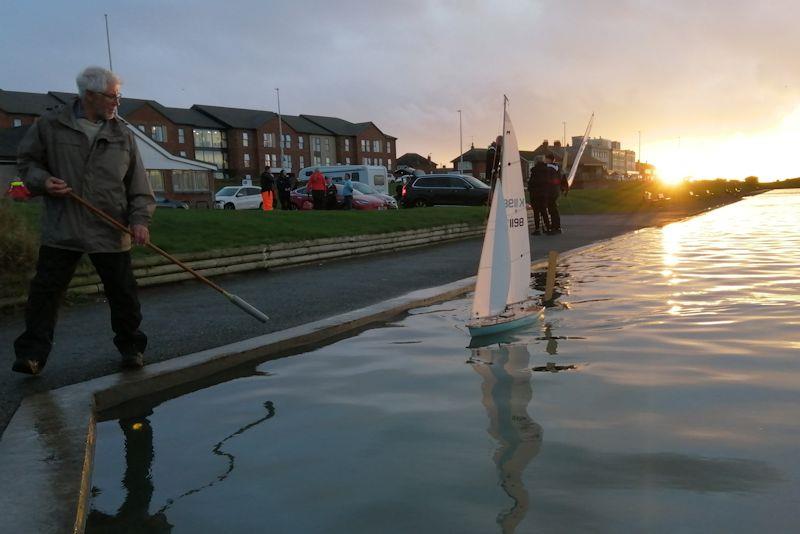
<point x="317" y="186"/>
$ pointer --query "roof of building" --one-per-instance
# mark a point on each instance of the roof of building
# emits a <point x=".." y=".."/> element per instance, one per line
<point x="26" y="103"/>
<point x="302" y="125"/>
<point x="189" y="117"/>
<point x="9" y="141"/>
<point x="412" y="159"/>
<point x="473" y="154"/>
<point x="336" y="125"/>
<point x="237" y="117"/>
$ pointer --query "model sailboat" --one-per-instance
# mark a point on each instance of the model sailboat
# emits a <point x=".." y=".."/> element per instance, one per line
<point x="502" y="301"/>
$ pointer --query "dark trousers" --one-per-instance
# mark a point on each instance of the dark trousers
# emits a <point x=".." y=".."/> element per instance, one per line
<point x="552" y="212"/>
<point x="539" y="205"/>
<point x="54" y="270"/>
<point x="286" y="200"/>
<point x="318" y="195"/>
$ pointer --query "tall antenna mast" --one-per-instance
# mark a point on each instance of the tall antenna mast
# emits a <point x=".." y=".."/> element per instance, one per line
<point x="108" y="45"/>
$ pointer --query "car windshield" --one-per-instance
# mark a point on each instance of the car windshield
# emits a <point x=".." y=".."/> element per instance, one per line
<point x="475" y="182"/>
<point x="364" y="188"/>
<point x="227" y="191"/>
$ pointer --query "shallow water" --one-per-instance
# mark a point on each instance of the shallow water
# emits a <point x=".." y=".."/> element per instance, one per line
<point x="682" y="414"/>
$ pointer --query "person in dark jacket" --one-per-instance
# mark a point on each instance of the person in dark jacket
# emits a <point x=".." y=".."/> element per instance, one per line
<point x="84" y="148"/>
<point x="494" y="161"/>
<point x="285" y="190"/>
<point x="539" y="191"/>
<point x="554" y="187"/>
<point x="267" y="190"/>
<point x="330" y="195"/>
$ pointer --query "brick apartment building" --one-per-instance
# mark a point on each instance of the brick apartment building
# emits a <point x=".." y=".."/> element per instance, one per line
<point x="241" y="142"/>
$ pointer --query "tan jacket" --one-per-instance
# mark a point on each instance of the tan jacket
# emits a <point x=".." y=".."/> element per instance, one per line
<point x="108" y="173"/>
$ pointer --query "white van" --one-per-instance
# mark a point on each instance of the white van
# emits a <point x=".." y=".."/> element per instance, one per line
<point x="374" y="175"/>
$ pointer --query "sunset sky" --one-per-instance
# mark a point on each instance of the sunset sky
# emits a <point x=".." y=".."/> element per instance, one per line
<point x="713" y="86"/>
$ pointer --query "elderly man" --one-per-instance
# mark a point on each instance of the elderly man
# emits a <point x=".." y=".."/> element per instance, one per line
<point x="84" y="148"/>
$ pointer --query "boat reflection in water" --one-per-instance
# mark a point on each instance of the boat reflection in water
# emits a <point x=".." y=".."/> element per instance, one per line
<point x="506" y="390"/>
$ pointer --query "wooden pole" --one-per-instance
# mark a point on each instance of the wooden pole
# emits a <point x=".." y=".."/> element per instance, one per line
<point x="113" y="222"/>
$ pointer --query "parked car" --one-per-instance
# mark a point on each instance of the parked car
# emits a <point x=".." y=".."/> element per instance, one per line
<point x="302" y="199"/>
<point x="164" y="202"/>
<point x="238" y="197"/>
<point x="388" y="201"/>
<point x="456" y="189"/>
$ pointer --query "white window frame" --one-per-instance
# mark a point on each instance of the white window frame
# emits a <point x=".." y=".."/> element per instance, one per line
<point x="246" y="159"/>
<point x="162" y="132"/>
<point x="245" y="139"/>
<point x="17" y="123"/>
<point x="300" y="143"/>
<point x="269" y="141"/>
<point x="376" y="145"/>
<point x="181" y="136"/>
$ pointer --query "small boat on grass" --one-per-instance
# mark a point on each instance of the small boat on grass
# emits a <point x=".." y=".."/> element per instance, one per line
<point x="502" y="298"/>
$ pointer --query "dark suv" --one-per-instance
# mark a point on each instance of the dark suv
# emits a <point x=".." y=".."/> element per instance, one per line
<point x="430" y="189"/>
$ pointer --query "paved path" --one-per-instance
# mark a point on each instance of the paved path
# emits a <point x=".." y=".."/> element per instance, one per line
<point x="188" y="317"/>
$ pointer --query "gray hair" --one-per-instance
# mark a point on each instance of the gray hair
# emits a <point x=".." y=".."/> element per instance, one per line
<point x="95" y="79"/>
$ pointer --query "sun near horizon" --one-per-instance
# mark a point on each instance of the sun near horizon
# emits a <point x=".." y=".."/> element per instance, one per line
<point x="770" y="155"/>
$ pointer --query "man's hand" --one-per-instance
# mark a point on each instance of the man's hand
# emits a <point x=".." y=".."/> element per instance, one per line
<point x="56" y="187"/>
<point x="141" y="235"/>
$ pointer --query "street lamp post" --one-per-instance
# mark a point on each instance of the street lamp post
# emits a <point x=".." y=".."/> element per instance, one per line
<point x="460" y="144"/>
<point x="280" y="126"/>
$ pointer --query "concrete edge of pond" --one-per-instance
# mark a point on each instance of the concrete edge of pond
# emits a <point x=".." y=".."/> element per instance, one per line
<point x="47" y="449"/>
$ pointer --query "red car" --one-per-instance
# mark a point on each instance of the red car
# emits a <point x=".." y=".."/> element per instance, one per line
<point x="302" y="200"/>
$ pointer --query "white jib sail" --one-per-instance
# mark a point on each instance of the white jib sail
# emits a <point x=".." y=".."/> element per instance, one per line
<point x="491" y="287"/>
<point x="504" y="270"/>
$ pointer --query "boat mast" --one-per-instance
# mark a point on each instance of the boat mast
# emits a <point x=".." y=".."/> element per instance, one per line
<point x="503" y="146"/>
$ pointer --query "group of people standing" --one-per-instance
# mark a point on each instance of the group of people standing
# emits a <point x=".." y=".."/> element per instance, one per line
<point x="280" y="190"/>
<point x="324" y="193"/>
<point x="545" y="184"/>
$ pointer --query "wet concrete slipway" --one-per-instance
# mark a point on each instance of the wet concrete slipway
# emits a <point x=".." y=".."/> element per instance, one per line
<point x="47" y="438"/>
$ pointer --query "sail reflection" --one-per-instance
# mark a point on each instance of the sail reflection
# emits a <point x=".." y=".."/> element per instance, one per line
<point x="506" y="390"/>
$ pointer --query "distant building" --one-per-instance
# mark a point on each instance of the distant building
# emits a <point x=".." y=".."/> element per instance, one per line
<point x="170" y="176"/>
<point x="240" y="142"/>
<point x="592" y="172"/>
<point x="416" y="161"/>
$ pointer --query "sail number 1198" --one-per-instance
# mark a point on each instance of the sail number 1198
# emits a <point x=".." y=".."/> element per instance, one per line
<point x="516" y="222"/>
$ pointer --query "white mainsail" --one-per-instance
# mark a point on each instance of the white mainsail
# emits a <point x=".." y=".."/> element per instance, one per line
<point x="504" y="270"/>
<point x="575" y="163"/>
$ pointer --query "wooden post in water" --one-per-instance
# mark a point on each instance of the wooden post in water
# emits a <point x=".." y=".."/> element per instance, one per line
<point x="550" y="283"/>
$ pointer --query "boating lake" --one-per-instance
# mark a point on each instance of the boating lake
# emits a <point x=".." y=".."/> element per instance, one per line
<point x="682" y="413"/>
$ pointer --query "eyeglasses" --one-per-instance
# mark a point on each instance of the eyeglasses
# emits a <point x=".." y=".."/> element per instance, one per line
<point x="111" y="97"/>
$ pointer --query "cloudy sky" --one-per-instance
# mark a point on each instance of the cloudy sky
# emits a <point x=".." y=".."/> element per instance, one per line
<point x="713" y="86"/>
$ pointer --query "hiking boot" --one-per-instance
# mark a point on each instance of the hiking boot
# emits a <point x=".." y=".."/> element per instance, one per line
<point x="27" y="366"/>
<point x="132" y="361"/>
